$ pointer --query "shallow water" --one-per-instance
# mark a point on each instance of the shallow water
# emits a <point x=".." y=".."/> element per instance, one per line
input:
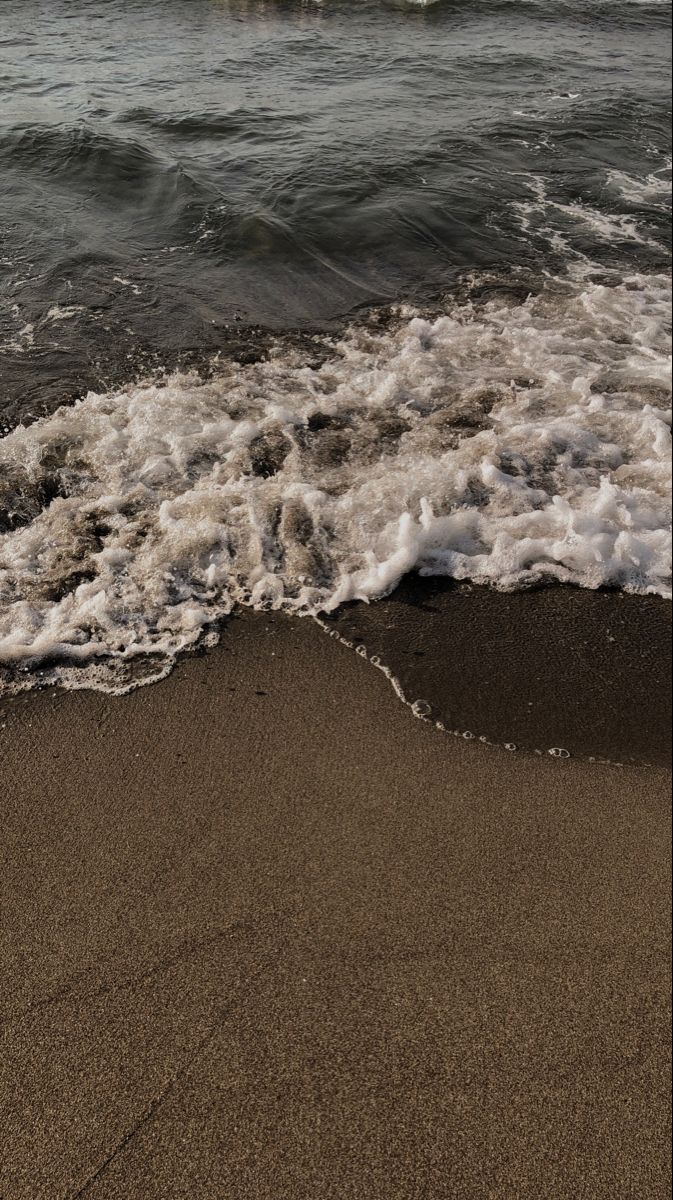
<point x="454" y="218"/>
<point x="169" y="166"/>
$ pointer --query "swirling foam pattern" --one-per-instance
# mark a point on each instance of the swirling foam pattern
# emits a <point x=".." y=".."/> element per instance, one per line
<point x="500" y="441"/>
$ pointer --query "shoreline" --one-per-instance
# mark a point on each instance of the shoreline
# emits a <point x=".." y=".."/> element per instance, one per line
<point x="544" y="669"/>
<point x="266" y="935"/>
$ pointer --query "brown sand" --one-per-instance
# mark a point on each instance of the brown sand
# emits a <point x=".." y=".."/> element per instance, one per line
<point x="265" y="935"/>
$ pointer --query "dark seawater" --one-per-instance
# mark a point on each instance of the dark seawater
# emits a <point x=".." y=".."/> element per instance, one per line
<point x="170" y="168"/>
<point x="416" y="258"/>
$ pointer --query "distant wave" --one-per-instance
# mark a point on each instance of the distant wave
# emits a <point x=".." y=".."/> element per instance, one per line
<point x="243" y="122"/>
<point x="637" y="10"/>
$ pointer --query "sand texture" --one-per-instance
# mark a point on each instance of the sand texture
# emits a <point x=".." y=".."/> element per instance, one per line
<point x="264" y="935"/>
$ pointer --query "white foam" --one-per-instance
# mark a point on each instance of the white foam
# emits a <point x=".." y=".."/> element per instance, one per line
<point x="127" y="283"/>
<point x="505" y="443"/>
<point x="653" y="191"/>
<point x="23" y="339"/>
<point x="59" y="312"/>
<point x="556" y="223"/>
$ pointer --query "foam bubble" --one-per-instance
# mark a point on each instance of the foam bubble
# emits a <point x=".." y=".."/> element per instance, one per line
<point x="654" y="191"/>
<point x="556" y="223"/>
<point x="59" y="312"/>
<point x="504" y="442"/>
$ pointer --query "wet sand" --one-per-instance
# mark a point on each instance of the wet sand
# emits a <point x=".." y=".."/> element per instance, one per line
<point x="266" y="935"/>
<point x="547" y="668"/>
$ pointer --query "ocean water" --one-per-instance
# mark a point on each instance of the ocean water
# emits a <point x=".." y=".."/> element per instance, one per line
<point x="297" y="297"/>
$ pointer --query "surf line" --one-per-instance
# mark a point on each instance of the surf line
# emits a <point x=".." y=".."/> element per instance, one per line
<point x="422" y="710"/>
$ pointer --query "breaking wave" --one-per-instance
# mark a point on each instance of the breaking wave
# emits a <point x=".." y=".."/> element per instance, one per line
<point x="506" y="439"/>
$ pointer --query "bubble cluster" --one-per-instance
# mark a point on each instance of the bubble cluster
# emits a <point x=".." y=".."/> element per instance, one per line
<point x="504" y="442"/>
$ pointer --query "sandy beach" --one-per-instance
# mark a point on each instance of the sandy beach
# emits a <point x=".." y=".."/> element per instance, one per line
<point x="335" y="600"/>
<point x="266" y="935"/>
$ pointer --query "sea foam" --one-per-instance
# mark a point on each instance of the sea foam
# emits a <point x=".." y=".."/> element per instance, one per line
<point x="504" y="441"/>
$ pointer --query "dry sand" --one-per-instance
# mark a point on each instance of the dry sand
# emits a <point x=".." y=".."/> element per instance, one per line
<point x="265" y="935"/>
